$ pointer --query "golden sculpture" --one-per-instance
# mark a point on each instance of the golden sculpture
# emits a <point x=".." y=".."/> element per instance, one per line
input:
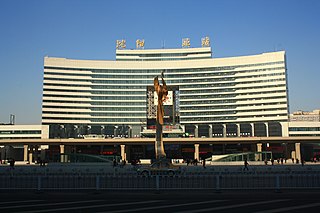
<point x="162" y="93"/>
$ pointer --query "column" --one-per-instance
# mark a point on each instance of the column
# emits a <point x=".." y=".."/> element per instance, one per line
<point x="25" y="153"/>
<point x="62" y="157"/>
<point x="210" y="131"/>
<point x="224" y="130"/>
<point x="298" y="151"/>
<point x="129" y="131"/>
<point x="123" y="152"/>
<point x="30" y="154"/>
<point x="196" y="151"/>
<point x="267" y="128"/>
<point x="196" y="131"/>
<point x="259" y="149"/>
<point x="252" y="129"/>
<point x="115" y="131"/>
<point x="238" y="130"/>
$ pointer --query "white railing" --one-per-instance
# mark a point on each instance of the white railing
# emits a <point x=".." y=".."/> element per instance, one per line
<point x="124" y="181"/>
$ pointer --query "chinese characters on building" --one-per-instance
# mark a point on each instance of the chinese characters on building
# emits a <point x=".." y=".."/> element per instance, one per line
<point x="140" y="44"/>
<point x="186" y="42"/>
<point x="121" y="44"/>
<point x="205" y="42"/>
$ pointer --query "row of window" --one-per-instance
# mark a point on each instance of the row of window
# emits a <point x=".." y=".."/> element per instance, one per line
<point x="168" y="75"/>
<point x="231" y="107"/>
<point x="188" y="82"/>
<point x="157" y="71"/>
<point x="162" y="54"/>
<point x="230" y="112"/>
<point x="226" y="85"/>
<point x="188" y="102"/>
<point x="135" y="113"/>
<point x="143" y="108"/>
<point x="229" y="100"/>
<point x="20" y="132"/>
<point x="150" y="79"/>
<point x="162" y="59"/>
<point x="113" y="103"/>
<point x="129" y="90"/>
<point x="198" y="96"/>
<point x="132" y="114"/>
<point x="143" y="97"/>
<point x="97" y="92"/>
<point x="8" y="138"/>
<point x="225" y="118"/>
<point x="304" y="129"/>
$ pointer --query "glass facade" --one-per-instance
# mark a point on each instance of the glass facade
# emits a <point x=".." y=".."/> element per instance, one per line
<point x="241" y="90"/>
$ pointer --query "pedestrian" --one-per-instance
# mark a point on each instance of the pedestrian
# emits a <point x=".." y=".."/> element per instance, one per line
<point x="246" y="165"/>
<point x="204" y="163"/>
<point x="281" y="160"/>
<point x="11" y="162"/>
<point x="272" y="161"/>
<point x="195" y="162"/>
<point x="114" y="162"/>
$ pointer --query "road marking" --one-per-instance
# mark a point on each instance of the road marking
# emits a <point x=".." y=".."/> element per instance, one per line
<point x="91" y="206"/>
<point x="290" y="208"/>
<point x="48" y="204"/>
<point x="233" y="206"/>
<point x="166" y="206"/>
<point x="19" y="201"/>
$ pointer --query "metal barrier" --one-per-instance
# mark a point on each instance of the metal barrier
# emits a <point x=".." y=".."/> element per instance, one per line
<point x="182" y="182"/>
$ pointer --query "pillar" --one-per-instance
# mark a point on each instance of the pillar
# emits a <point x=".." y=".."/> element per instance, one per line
<point x="298" y="151"/>
<point x="123" y="152"/>
<point x="252" y="129"/>
<point x="129" y="131"/>
<point x="196" y="131"/>
<point x="210" y="131"/>
<point x="25" y="153"/>
<point x="196" y="151"/>
<point x="30" y="154"/>
<point x="115" y="132"/>
<point x="224" y="130"/>
<point x="259" y="149"/>
<point x="62" y="157"/>
<point x="267" y="128"/>
<point x="238" y="130"/>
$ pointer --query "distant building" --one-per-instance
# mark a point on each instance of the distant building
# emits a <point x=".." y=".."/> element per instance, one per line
<point x="11" y="132"/>
<point x="304" y="123"/>
<point x="24" y="131"/>
<point x="313" y="116"/>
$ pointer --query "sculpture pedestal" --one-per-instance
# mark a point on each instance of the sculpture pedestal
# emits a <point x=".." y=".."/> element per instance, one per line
<point x="159" y="148"/>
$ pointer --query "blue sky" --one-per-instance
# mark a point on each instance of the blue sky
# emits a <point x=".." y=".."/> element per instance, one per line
<point x="30" y="30"/>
